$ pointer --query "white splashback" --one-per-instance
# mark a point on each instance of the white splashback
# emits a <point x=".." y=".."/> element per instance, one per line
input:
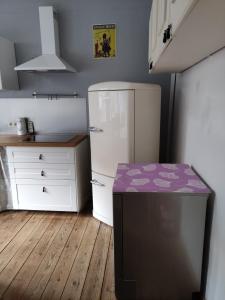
<point x="63" y="115"/>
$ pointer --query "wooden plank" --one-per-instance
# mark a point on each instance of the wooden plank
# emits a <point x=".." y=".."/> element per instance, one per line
<point x="59" y="277"/>
<point x="12" y="217"/>
<point x="108" y="288"/>
<point x="28" y="141"/>
<point x="24" y="276"/>
<point x="21" y="255"/>
<point x="57" y="258"/>
<point x="40" y="279"/>
<point x="7" y="216"/>
<point x="12" y="226"/>
<point x="9" y="251"/>
<point x="78" y="272"/>
<point x="93" y="283"/>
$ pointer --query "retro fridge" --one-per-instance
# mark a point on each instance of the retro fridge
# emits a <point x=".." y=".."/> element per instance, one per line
<point x="124" y="127"/>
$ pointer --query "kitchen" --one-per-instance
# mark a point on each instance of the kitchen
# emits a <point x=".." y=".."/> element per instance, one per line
<point x="191" y="132"/>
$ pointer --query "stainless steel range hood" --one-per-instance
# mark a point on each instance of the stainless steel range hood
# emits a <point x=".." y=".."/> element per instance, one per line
<point x="50" y="59"/>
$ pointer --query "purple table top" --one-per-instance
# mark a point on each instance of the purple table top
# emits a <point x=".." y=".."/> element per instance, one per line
<point x="144" y="177"/>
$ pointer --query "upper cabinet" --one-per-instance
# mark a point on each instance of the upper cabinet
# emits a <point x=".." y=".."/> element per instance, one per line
<point x="8" y="76"/>
<point x="178" y="11"/>
<point x="183" y="32"/>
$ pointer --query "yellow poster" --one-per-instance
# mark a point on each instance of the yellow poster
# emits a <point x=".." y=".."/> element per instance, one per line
<point x="104" y="41"/>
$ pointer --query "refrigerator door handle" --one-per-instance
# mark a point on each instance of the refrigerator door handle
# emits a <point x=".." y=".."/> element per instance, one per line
<point x="95" y="129"/>
<point x="96" y="182"/>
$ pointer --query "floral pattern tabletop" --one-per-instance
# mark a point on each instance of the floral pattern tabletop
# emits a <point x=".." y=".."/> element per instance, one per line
<point x="142" y="177"/>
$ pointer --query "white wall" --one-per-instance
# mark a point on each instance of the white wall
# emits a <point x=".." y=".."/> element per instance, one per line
<point x="199" y="132"/>
<point x="64" y="115"/>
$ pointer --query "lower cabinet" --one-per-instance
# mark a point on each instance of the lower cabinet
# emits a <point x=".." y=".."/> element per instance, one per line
<point x="49" y="178"/>
<point x="57" y="195"/>
<point x="102" y="197"/>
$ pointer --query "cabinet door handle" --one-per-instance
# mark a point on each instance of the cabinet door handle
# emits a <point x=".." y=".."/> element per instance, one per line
<point x="96" y="182"/>
<point x="44" y="190"/>
<point x="42" y="173"/>
<point x="168" y="32"/>
<point x="151" y="65"/>
<point x="40" y="157"/>
<point x="165" y="36"/>
<point x="95" y="129"/>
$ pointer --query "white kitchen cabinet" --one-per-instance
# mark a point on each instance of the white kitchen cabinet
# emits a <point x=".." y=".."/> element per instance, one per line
<point x="8" y="76"/>
<point x="178" y="10"/>
<point x="183" y="32"/>
<point x="49" y="178"/>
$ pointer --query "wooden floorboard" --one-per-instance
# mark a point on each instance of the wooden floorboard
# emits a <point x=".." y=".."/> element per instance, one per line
<point x="11" y="249"/>
<point x="55" y="256"/>
<point x="76" y="279"/>
<point x="93" y="283"/>
<point x="108" y="288"/>
<point x="7" y="275"/>
<point x="26" y="273"/>
<point x="11" y="226"/>
<point x="59" y="276"/>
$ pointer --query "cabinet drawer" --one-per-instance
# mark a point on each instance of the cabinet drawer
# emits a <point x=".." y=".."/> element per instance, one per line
<point x="56" y="195"/>
<point x="41" y="171"/>
<point x="40" y="154"/>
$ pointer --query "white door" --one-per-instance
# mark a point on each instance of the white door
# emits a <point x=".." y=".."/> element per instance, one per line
<point x="163" y="16"/>
<point x="102" y="198"/>
<point x="153" y="31"/>
<point x="111" y="129"/>
<point x="178" y="10"/>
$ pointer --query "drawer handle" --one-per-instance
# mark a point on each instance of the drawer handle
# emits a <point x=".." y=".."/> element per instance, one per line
<point x="42" y="173"/>
<point x="95" y="129"/>
<point x="96" y="182"/>
<point x="40" y="157"/>
<point x="44" y="190"/>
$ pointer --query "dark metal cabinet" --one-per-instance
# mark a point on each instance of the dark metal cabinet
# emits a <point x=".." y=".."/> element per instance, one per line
<point x="158" y="244"/>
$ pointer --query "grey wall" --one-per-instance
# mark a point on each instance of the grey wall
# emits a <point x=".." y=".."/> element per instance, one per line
<point x="19" y="22"/>
<point x="200" y="141"/>
<point x="66" y="115"/>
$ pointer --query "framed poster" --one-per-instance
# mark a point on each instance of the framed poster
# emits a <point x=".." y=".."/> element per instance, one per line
<point x="104" y="41"/>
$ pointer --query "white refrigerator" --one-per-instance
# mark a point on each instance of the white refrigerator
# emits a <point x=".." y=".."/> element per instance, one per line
<point x="124" y="127"/>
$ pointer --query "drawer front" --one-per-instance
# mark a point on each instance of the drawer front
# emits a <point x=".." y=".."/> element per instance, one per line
<point x="40" y="154"/>
<point x="102" y="198"/>
<point x="56" y="195"/>
<point x="41" y="171"/>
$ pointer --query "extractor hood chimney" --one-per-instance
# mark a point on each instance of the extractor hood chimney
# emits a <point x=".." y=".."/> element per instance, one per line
<point x="50" y="59"/>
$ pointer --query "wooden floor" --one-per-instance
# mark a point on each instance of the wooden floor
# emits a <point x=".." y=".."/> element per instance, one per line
<point x="55" y="256"/>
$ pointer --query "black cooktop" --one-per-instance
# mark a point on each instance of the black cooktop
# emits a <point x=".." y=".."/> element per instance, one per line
<point x="49" y="138"/>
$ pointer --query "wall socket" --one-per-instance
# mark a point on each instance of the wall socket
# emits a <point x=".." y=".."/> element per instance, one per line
<point x="12" y="124"/>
